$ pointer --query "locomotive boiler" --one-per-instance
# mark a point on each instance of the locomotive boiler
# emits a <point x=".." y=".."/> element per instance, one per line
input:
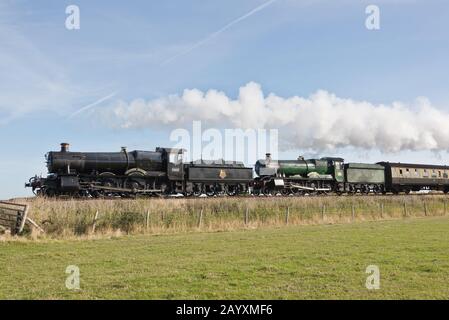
<point x="289" y="168"/>
<point x="118" y="163"/>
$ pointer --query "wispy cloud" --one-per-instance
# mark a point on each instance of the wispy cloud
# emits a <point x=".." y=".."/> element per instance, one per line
<point x="89" y="106"/>
<point x="29" y="79"/>
<point x="218" y="32"/>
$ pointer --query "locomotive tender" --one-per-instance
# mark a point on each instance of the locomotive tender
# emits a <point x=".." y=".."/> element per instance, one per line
<point x="163" y="172"/>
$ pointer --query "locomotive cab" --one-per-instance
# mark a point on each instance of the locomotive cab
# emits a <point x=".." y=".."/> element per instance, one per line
<point x="336" y="166"/>
<point x="173" y="158"/>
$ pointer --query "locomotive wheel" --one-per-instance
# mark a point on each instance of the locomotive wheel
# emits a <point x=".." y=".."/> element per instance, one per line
<point x="367" y="190"/>
<point x="96" y="194"/>
<point x="135" y="181"/>
<point x="197" y="190"/>
<point x="109" y="183"/>
<point x="231" y="190"/>
<point x="133" y="184"/>
<point x="187" y="193"/>
<point x="210" y="190"/>
<point x="107" y="179"/>
<point x="285" y="192"/>
<point x="267" y="192"/>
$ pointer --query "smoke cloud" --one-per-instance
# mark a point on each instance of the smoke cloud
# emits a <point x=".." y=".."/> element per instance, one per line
<point x="321" y="121"/>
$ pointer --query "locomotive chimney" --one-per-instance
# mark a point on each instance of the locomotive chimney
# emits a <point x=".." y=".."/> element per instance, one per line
<point x="64" y="147"/>
<point x="268" y="156"/>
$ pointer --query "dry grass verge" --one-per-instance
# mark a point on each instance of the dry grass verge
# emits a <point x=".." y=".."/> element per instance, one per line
<point x="74" y="218"/>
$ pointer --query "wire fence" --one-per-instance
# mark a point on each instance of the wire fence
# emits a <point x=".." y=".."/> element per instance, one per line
<point x="70" y="217"/>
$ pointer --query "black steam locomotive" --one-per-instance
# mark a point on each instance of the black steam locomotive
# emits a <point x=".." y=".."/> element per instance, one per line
<point x="163" y="172"/>
<point x="159" y="172"/>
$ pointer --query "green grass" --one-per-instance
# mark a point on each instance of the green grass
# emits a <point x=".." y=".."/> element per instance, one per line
<point x="290" y="262"/>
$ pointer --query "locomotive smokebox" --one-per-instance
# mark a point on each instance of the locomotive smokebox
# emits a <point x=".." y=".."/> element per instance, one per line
<point x="65" y="147"/>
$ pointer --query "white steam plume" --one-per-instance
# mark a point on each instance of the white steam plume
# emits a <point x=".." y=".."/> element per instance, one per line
<point x="321" y="121"/>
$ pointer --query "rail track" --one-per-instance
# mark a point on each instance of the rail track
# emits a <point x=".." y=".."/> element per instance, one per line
<point x="243" y="196"/>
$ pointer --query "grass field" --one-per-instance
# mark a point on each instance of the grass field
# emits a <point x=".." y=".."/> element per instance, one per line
<point x="294" y="262"/>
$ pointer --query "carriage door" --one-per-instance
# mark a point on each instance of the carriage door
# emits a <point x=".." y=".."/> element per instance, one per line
<point x="175" y="169"/>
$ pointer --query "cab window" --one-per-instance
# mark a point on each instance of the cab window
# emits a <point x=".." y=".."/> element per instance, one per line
<point x="173" y="158"/>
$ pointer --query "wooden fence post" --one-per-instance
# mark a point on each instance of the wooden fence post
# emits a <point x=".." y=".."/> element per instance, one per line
<point x="323" y="211"/>
<point x="287" y="213"/>
<point x="445" y="206"/>
<point x="246" y="215"/>
<point x="425" y="209"/>
<point x="381" y="210"/>
<point x="95" y="222"/>
<point x="353" y="212"/>
<point x="200" y="219"/>
<point x="405" y="209"/>
<point x="148" y="219"/>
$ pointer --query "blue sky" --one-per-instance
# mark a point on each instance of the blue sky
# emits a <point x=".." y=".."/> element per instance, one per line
<point x="289" y="47"/>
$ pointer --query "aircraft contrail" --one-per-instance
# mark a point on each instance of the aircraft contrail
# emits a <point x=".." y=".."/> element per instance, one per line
<point x="93" y="104"/>
<point x="216" y="33"/>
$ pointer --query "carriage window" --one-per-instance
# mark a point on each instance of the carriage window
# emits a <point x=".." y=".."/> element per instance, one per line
<point x="400" y="172"/>
<point x="416" y="172"/>
<point x="425" y="174"/>
<point x="445" y="174"/>
<point x="439" y="174"/>
<point x="407" y="171"/>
